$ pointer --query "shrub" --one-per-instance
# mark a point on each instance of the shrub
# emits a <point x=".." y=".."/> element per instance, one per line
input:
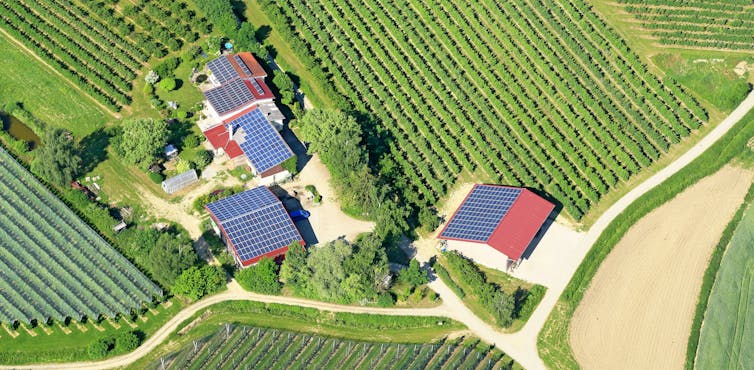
<point x="152" y="77"/>
<point x="290" y="165"/>
<point x="386" y="300"/>
<point x="167" y="84"/>
<point x="196" y="282"/>
<point x="182" y="166"/>
<point x="445" y="277"/>
<point x="126" y="342"/>
<point x="181" y="114"/>
<point x="100" y="347"/>
<point x="190" y="141"/>
<point x="533" y="297"/>
<point x="260" y="278"/>
<point x="202" y="159"/>
<point x="156" y="177"/>
<point x="148" y="89"/>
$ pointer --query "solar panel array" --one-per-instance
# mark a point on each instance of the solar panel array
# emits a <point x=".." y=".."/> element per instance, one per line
<point x="255" y="222"/>
<point x="243" y="66"/>
<point x="222" y="69"/>
<point x="230" y="96"/>
<point x="258" y="87"/>
<point x="480" y="213"/>
<point x="262" y="145"/>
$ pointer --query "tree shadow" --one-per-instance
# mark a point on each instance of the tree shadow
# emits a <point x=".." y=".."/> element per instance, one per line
<point x="93" y="149"/>
<point x="262" y="33"/>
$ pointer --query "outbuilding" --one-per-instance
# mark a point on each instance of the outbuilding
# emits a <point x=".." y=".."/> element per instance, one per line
<point x="504" y="219"/>
<point x="253" y="224"/>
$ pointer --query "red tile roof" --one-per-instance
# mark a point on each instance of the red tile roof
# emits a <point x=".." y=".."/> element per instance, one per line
<point x="252" y="63"/>
<point x="219" y="138"/>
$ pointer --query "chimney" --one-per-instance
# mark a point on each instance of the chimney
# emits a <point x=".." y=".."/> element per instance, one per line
<point x="230" y="132"/>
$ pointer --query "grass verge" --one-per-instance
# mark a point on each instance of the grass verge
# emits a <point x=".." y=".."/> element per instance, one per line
<point x="552" y="341"/>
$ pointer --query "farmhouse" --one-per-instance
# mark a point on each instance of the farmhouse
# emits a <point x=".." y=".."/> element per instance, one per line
<point x="239" y="85"/>
<point x="504" y="218"/>
<point x="253" y="224"/>
<point x="250" y="139"/>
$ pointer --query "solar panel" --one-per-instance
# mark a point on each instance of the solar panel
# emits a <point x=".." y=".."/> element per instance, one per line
<point x="262" y="144"/>
<point x="230" y="96"/>
<point x="222" y="69"/>
<point x="480" y="213"/>
<point x="255" y="222"/>
<point x="243" y="66"/>
<point x="256" y="85"/>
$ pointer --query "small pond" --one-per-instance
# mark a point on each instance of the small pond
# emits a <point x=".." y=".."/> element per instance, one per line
<point x="19" y="130"/>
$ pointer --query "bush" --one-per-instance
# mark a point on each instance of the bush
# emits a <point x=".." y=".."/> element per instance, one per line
<point x="148" y="89"/>
<point x="260" y="278"/>
<point x="202" y="159"/>
<point x="182" y="166"/>
<point x="190" y="141"/>
<point x="445" y="277"/>
<point x="126" y="342"/>
<point x="315" y="193"/>
<point x="167" y="84"/>
<point x="533" y="297"/>
<point x="181" y="114"/>
<point x="100" y="347"/>
<point x="156" y="177"/>
<point x="413" y="274"/>
<point x="290" y="165"/>
<point x="197" y="282"/>
<point x="386" y="300"/>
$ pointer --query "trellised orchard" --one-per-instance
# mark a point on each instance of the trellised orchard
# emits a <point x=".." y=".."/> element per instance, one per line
<point x="718" y="24"/>
<point x="97" y="47"/>
<point x="566" y="107"/>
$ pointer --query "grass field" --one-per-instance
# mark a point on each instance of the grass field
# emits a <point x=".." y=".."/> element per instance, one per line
<point x="552" y="341"/>
<point x="727" y="334"/>
<point x="46" y="94"/>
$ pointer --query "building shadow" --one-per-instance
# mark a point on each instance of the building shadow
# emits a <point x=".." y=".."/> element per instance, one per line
<point x="298" y="148"/>
<point x="307" y="232"/>
<point x="292" y="204"/>
<point x="540" y="234"/>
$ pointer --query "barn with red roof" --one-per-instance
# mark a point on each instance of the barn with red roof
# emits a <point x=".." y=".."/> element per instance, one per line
<point x="506" y="219"/>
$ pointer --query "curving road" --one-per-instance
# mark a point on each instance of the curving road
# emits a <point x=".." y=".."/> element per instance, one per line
<point x="522" y="345"/>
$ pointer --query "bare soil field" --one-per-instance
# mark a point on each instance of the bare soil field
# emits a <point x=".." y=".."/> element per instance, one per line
<point x="637" y="312"/>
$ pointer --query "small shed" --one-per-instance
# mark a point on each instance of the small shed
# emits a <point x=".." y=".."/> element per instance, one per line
<point x="178" y="182"/>
<point x="119" y="227"/>
<point x="171" y="151"/>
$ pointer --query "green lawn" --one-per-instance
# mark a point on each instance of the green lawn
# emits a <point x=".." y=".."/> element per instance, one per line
<point x="46" y="94"/>
<point x="727" y="335"/>
<point x="61" y="347"/>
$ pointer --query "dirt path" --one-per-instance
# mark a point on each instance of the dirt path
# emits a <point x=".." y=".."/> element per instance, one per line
<point x="638" y="310"/>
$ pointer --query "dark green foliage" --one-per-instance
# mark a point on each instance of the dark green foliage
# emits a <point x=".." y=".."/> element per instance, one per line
<point x="169" y="257"/>
<point x="167" y="67"/>
<point x="57" y="160"/>
<point x="100" y="347"/>
<point x="260" y="278"/>
<point x="413" y="274"/>
<point x="285" y="86"/>
<point x="156" y="177"/>
<point x="491" y="297"/>
<point x="220" y="13"/>
<point x="197" y="282"/>
<point x="530" y="302"/>
<point x="141" y="141"/>
<point x="244" y="39"/>
<point x="293" y="272"/>
<point x="428" y="218"/>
